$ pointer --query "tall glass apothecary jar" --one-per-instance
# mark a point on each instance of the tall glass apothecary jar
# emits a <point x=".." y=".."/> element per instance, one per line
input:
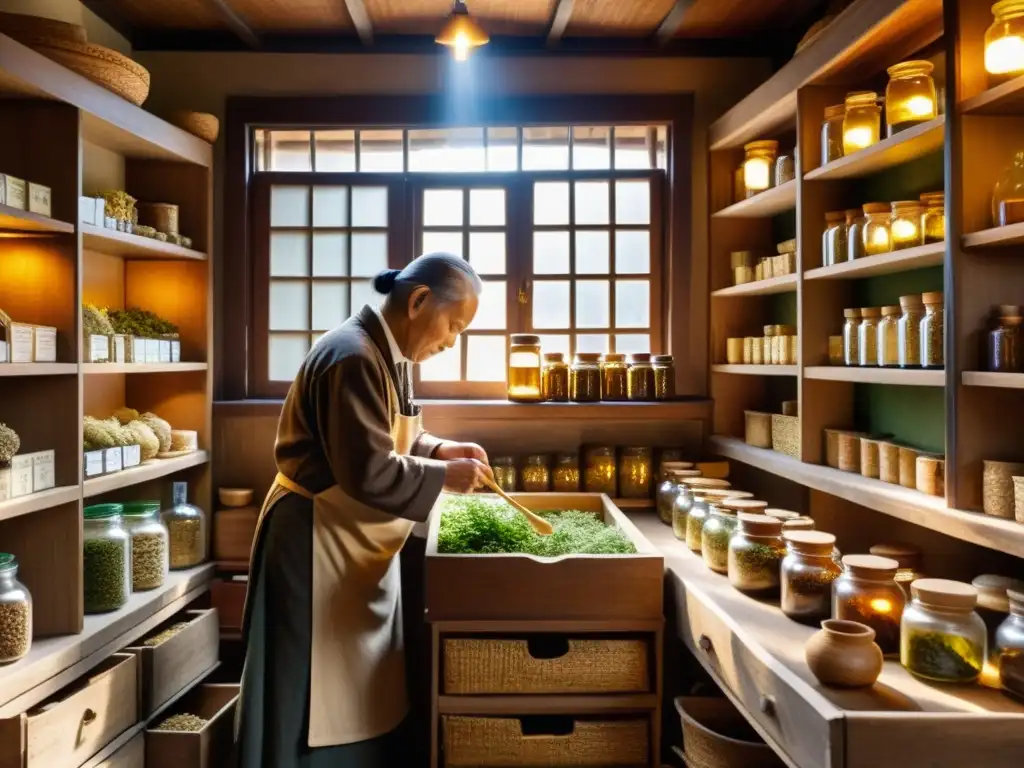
<point x="889" y="337"/>
<point x="867" y="336"/>
<point x="759" y="166"/>
<point x="504" y="468"/>
<point x="1009" y="646"/>
<point x="524" y="365"/>
<point x="718" y="528"/>
<point x="867" y="592"/>
<point x="933" y="333"/>
<point x="536" y="474"/>
<point x="910" y="331"/>
<point x="933" y="220"/>
<point x="691" y="507"/>
<point x="150" y="547"/>
<point x="585" y="378"/>
<point x="877" y="223"/>
<point x="186" y="525"/>
<point x="640" y="377"/>
<point x="832" y="133"/>
<point x="565" y="477"/>
<point x="854" y="234"/>
<point x="905" y="226"/>
<point x="614" y="376"/>
<point x="106" y="558"/>
<point x="833" y="239"/>
<point x="15" y="612"/>
<point x="943" y="638"/>
<point x="1005" y="353"/>
<point x="910" y="96"/>
<point x="851" y="336"/>
<point x="1004" y="49"/>
<point x="862" y="121"/>
<point x="555" y="378"/>
<point x="755" y="555"/>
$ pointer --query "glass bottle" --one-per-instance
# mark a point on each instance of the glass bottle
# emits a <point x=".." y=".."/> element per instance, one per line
<point x="833" y="240"/>
<point x="909" y="559"/>
<point x="565" y="477"/>
<point x="1008" y="194"/>
<point x="832" y="133"/>
<point x="932" y="331"/>
<point x="106" y="559"/>
<point x="806" y="576"/>
<point x="691" y="507"/>
<point x="910" y="331"/>
<point x="867" y="592"/>
<point x="15" y="612"/>
<point x="1004" y="51"/>
<point x="669" y="490"/>
<point x="910" y="96"/>
<point x="755" y="554"/>
<point x="1009" y="646"/>
<point x="862" y="121"/>
<point x="636" y="473"/>
<point x="855" y="221"/>
<point x="933" y="220"/>
<point x="640" y="378"/>
<point x="851" y="337"/>
<point x="524" y="368"/>
<point x="714" y="538"/>
<point x="759" y="166"/>
<point x="504" y="468"/>
<point x="600" y="473"/>
<point x="943" y="638"/>
<point x="669" y="465"/>
<point x="867" y="336"/>
<point x="150" y="551"/>
<point x="905" y="227"/>
<point x="785" y="170"/>
<point x="186" y="525"/>
<point x="847" y="226"/>
<point x="877" y="237"/>
<point x="1004" y="346"/>
<point x="664" y="377"/>
<point x="585" y="378"/>
<point x="888" y="341"/>
<point x="536" y="474"/>
<point x="555" y="378"/>
<point x="614" y="374"/>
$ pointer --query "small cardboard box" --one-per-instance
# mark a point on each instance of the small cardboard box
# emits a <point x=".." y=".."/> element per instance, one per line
<point x="21" y="475"/>
<point x="97" y="348"/>
<point x="13" y="192"/>
<point x="112" y="460"/>
<point x="175" y="351"/>
<point x="21" y="342"/>
<point x="165" y="350"/>
<point x="39" y="199"/>
<point x="92" y="465"/>
<point x="5" y="483"/>
<point x="138" y="350"/>
<point x="120" y="345"/>
<point x="131" y="456"/>
<point x="152" y="350"/>
<point x="87" y="210"/>
<point x="44" y="344"/>
<point x="42" y="471"/>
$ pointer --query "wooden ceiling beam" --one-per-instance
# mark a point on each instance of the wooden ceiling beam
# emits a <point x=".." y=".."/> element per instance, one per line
<point x="361" y="20"/>
<point x="673" y="21"/>
<point x="559" y="21"/>
<point x="237" y="24"/>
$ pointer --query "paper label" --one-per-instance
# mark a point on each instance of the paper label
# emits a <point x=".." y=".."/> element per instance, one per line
<point x="21" y="476"/>
<point x="131" y="456"/>
<point x="112" y="459"/>
<point x="21" y="343"/>
<point x="138" y="350"/>
<point x="119" y="350"/>
<point x="39" y="199"/>
<point x="152" y="351"/>
<point x="99" y="349"/>
<point x="93" y="463"/>
<point x="45" y="344"/>
<point x="5" y="484"/>
<point x="42" y="471"/>
<point x="165" y="350"/>
<point x="175" y="351"/>
<point x="16" y="193"/>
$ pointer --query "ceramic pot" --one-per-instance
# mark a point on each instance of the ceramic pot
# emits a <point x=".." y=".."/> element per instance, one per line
<point x="843" y="654"/>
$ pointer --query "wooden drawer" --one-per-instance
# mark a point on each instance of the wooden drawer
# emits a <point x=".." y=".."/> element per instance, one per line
<point x="167" y="668"/>
<point x="207" y="748"/>
<point x="228" y="597"/>
<point x="67" y="729"/>
<point x="504" y="742"/>
<point x="546" y="664"/>
<point x="131" y="755"/>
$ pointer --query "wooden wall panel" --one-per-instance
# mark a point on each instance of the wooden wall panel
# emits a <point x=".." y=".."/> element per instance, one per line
<point x="294" y="15"/>
<point x="741" y="18"/>
<point x="176" y="14"/>
<point x="615" y="18"/>
<point x="503" y="17"/>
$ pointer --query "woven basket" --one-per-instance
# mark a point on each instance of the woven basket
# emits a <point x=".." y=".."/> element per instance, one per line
<point x="716" y="735"/>
<point x="34" y="29"/>
<point x="1018" y="499"/>
<point x="495" y="741"/>
<point x="870" y="456"/>
<point x="931" y="475"/>
<point x="908" y="466"/>
<point x="758" y="430"/>
<point x="889" y="462"/>
<point x="832" y="439"/>
<point x="848" y="450"/>
<point x="786" y="434"/>
<point x="201" y="124"/>
<point x="103" y="66"/>
<point x="163" y="217"/>
<point x="510" y="666"/>
<point x="997" y="493"/>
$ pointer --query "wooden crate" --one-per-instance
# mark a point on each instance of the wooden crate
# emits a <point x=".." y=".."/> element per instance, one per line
<point x="522" y="587"/>
<point x="210" y="747"/>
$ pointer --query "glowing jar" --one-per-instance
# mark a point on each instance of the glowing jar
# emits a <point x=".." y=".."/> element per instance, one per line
<point x="910" y="95"/>
<point x="862" y="122"/>
<point x="759" y="166"/>
<point x="565" y="477"/>
<point x="536" y="474"/>
<point x="933" y="220"/>
<point x="905" y="225"/>
<point x="504" y="468"/>
<point x="832" y="133"/>
<point x="600" y="474"/>
<point x="524" y="369"/>
<point x="867" y="592"/>
<point x="876" y="233"/>
<point x="636" y="473"/>
<point x="1004" y="41"/>
<point x="555" y="378"/>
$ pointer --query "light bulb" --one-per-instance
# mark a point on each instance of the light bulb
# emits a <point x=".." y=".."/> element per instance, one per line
<point x="461" y="47"/>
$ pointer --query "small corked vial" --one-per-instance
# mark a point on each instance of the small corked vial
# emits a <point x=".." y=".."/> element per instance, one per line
<point x="909" y="327"/>
<point x="851" y="337"/>
<point x="867" y="336"/>
<point x="888" y="342"/>
<point x="933" y="331"/>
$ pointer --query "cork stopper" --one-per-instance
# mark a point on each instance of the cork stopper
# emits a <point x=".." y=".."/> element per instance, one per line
<point x="614" y="357"/>
<point x="554" y="357"/>
<point x="852" y="214"/>
<point x="835" y="217"/>
<point x="836" y="110"/>
<point x="714" y="494"/>
<point x="890" y="311"/>
<point x="762" y="144"/>
<point x="759" y="525"/>
<point x="913" y="300"/>
<point x="680" y="474"/>
<point x="754" y="506"/>
<point x="588" y="357"/>
<point x="944" y="593"/>
<point x="907" y="555"/>
<point x="933" y="297"/>
<point x="799" y="523"/>
<point x="781" y="514"/>
<point x="871" y="566"/>
<point x="876" y="208"/>
<point x="706" y="482"/>
<point x="810" y="542"/>
<point x="904" y="205"/>
<point x="870" y="312"/>
<point x="852" y="314"/>
<point x="667" y="465"/>
<point x="640" y="357"/>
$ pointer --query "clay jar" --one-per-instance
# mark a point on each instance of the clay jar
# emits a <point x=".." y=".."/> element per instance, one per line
<point x="843" y="654"/>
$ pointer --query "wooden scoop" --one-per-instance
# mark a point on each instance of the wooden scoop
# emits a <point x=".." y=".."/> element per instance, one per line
<point x="538" y="523"/>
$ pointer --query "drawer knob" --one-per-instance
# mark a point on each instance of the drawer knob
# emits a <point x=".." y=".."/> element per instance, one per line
<point x="768" y="705"/>
<point x="705" y="643"/>
<point x="89" y="717"/>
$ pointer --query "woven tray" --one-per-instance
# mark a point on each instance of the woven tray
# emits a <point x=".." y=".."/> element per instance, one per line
<point x="475" y="666"/>
<point x="103" y="66"/>
<point x="715" y="735"/>
<point x="201" y="124"/>
<point x="786" y="434"/>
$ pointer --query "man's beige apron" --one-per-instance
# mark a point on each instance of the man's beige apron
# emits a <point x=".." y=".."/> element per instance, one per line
<point x="357" y="686"/>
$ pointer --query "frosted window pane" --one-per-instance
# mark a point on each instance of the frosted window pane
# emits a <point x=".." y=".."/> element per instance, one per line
<point x="362" y="294"/>
<point x="487" y="207"/>
<point x="487" y="252"/>
<point x="632" y="202"/>
<point x="630" y="343"/>
<point x="289" y="306"/>
<point x="632" y="304"/>
<point x="662" y="148"/>
<point x="555" y="343"/>
<point x="632" y="149"/>
<point x="590" y="148"/>
<point x="369" y="206"/>
<point x="289" y="206"/>
<point x="592" y="342"/>
<point x="592" y="310"/>
<point x="443" y="242"/>
<point x="289" y="254"/>
<point x="330" y="206"/>
<point x="592" y="202"/>
<point x="550" y="253"/>
<point x="369" y="253"/>
<point x="330" y="254"/>
<point x="330" y="305"/>
<point x="445" y="366"/>
<point x="551" y="304"/>
<point x="632" y="252"/>
<point x="289" y="151"/>
<point x="545" y="149"/>
<point x="381" y="151"/>
<point x="335" y="151"/>
<point x="442" y="208"/>
<point x="490" y="314"/>
<point x="485" y="359"/>
<point x="502" y="149"/>
<point x="286" y="354"/>
<point x="592" y="253"/>
<point x="551" y="203"/>
<point x="456" y="150"/>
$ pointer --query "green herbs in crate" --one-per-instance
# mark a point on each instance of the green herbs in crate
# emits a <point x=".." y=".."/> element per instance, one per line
<point x="476" y="525"/>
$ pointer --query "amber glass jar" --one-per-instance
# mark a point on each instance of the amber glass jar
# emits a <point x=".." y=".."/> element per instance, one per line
<point x="909" y="327"/>
<point x="910" y="95"/>
<point x="867" y="592"/>
<point x="806" y="576"/>
<point x="759" y="166"/>
<point x="636" y="473"/>
<point x="905" y="226"/>
<point x="565" y="477"/>
<point x="599" y="470"/>
<point x="855" y="221"/>
<point x="933" y="220"/>
<point x="1004" y="58"/>
<point x="867" y="336"/>
<point x="614" y="376"/>
<point x="536" y="474"/>
<point x="505" y="474"/>
<point x="755" y="554"/>
<point x="555" y="378"/>
<point x="664" y="377"/>
<point x="524" y="368"/>
<point x="851" y="337"/>
<point x="877" y="229"/>
<point x="933" y="331"/>
<point x="585" y="378"/>
<point x="862" y="121"/>
<point x="833" y="240"/>
<point x="1004" y="345"/>
<point x="640" y="380"/>
<point x="889" y="337"/>
<point x="832" y="133"/>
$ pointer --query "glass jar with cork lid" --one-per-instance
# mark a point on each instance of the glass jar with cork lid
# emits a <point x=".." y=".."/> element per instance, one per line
<point x="759" y="166"/>
<point x="636" y="473"/>
<point x="832" y="133"/>
<point x="186" y="525"/>
<point x="851" y="336"/>
<point x="806" y="576"/>
<point x="524" y="364"/>
<point x="640" y="378"/>
<point x="877" y="229"/>
<point x="15" y="612"/>
<point x="664" y="377"/>
<point x="905" y="225"/>
<point x="889" y="337"/>
<point x="910" y="96"/>
<point x="565" y="477"/>
<point x="600" y="474"/>
<point x="909" y="331"/>
<point x="536" y="474"/>
<point x="862" y="121"/>
<point x="855" y="221"/>
<point x="755" y="555"/>
<point x="669" y="489"/>
<point x="106" y="558"/>
<point x="555" y="378"/>
<point x="614" y="377"/>
<point x="1005" y="354"/>
<point x="719" y="526"/>
<point x="504" y="468"/>
<point x="867" y="592"/>
<point x="867" y="336"/>
<point x="942" y="637"/>
<point x="691" y="507"/>
<point x="585" y="378"/>
<point x="1008" y="649"/>
<point x="933" y="220"/>
<point x="833" y="239"/>
<point x="933" y="333"/>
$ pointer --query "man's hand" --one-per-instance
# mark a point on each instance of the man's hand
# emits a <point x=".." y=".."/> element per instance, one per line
<point x="449" y="451"/>
<point x="465" y="475"/>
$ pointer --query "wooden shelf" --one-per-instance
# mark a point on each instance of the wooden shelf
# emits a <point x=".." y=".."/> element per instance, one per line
<point x="755" y="370"/>
<point x="15" y="220"/>
<point x="930" y="255"/>
<point x="763" y="205"/>
<point x="38" y="369"/>
<point x="996" y="237"/>
<point x="784" y="284"/>
<point x="893" y="500"/>
<point x="114" y="243"/>
<point x="546" y="705"/>
<point x="905" y="146"/>
<point x="667" y="410"/>
<point x="903" y="377"/>
<point x="56" y="661"/>
<point x="987" y="379"/>
<point x="634" y="503"/>
<point x="24" y="505"/>
<point x="1004" y="99"/>
<point x="110" y="368"/>
<point x="148" y="470"/>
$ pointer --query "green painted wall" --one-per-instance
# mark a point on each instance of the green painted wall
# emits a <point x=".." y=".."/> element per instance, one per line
<point x="915" y="415"/>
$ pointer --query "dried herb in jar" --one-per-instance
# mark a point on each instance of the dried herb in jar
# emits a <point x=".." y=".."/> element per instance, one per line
<point x="887" y="628"/>
<point x="15" y="631"/>
<point x="149" y="557"/>
<point x="186" y="542"/>
<point x="104" y="564"/>
<point x="807" y="597"/>
<point x="944" y="657"/>
<point x="759" y="562"/>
